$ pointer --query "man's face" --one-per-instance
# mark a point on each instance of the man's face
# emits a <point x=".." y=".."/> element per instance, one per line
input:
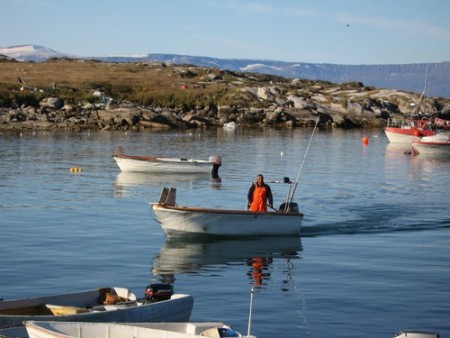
<point x="259" y="180"/>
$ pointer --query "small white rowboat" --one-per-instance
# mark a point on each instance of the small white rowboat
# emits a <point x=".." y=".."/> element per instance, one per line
<point x="181" y="221"/>
<point x="152" y="164"/>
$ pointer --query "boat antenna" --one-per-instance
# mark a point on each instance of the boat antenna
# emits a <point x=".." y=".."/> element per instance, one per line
<point x="420" y="100"/>
<point x="250" y="313"/>
<point x="292" y="192"/>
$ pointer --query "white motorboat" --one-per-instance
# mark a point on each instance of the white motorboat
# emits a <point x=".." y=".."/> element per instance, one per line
<point x="50" y="329"/>
<point x="109" y="304"/>
<point x="182" y="220"/>
<point x="153" y="164"/>
<point x="438" y="144"/>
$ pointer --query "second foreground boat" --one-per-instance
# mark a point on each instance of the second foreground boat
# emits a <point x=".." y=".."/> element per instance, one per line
<point x="110" y="304"/>
<point x="183" y="221"/>
<point x="153" y="164"/>
<point x="49" y="329"/>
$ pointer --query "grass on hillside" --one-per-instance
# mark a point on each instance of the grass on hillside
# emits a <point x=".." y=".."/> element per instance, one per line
<point x="150" y="83"/>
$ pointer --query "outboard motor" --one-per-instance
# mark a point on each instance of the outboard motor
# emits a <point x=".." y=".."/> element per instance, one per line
<point x="286" y="180"/>
<point x="292" y="207"/>
<point x="159" y="291"/>
<point x="217" y="162"/>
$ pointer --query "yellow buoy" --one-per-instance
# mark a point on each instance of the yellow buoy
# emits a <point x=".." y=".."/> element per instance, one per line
<point x="76" y="170"/>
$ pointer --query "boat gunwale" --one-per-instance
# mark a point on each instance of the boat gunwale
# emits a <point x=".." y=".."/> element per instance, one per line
<point x="225" y="211"/>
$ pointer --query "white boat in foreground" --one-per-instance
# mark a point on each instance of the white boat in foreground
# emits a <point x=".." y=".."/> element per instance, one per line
<point x="181" y="220"/>
<point x="417" y="334"/>
<point x="438" y="144"/>
<point x="49" y="329"/>
<point x="110" y="304"/>
<point x="153" y="164"/>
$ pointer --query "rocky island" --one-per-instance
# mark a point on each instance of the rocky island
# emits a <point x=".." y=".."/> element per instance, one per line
<point x="76" y="95"/>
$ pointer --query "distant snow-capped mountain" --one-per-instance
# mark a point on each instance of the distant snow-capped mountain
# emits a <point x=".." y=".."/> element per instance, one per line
<point x="406" y="77"/>
<point x="30" y="53"/>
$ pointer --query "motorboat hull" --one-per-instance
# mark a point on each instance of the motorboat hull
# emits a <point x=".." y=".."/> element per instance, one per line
<point x="164" y="165"/>
<point x="48" y="329"/>
<point x="432" y="145"/>
<point x="151" y="164"/>
<point x="180" y="221"/>
<point x="407" y="131"/>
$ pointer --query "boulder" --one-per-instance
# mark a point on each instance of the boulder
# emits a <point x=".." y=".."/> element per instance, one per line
<point x="51" y="103"/>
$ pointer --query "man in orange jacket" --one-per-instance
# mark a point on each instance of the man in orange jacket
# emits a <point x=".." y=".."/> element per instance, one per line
<point x="258" y="195"/>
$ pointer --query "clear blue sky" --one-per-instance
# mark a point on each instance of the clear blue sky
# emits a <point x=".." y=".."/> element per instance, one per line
<point x="318" y="31"/>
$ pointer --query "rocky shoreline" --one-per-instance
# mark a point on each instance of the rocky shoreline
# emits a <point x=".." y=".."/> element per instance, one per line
<point x="133" y="117"/>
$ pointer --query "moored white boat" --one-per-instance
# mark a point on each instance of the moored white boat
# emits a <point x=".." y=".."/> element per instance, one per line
<point x="408" y="130"/>
<point x="412" y="128"/>
<point x="182" y="220"/>
<point x="50" y="329"/>
<point x="230" y="125"/>
<point x="153" y="164"/>
<point x="438" y="144"/>
<point x="109" y="304"/>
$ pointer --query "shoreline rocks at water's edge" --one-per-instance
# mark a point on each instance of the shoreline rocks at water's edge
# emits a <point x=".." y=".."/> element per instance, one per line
<point x="336" y="106"/>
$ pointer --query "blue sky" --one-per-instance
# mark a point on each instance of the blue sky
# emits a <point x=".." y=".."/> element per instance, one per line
<point x="318" y="31"/>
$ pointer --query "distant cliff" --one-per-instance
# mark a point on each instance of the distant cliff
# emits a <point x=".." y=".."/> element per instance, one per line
<point x="406" y="77"/>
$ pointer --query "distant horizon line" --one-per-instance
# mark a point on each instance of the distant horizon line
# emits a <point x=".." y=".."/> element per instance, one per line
<point x="213" y="57"/>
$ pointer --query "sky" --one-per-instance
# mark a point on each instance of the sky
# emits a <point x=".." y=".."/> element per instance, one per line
<point x="353" y="32"/>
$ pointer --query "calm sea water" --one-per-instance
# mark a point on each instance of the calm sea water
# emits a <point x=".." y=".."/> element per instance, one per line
<point x="373" y="259"/>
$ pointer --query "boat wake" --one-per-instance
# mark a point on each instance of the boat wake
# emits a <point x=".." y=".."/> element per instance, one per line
<point x="383" y="218"/>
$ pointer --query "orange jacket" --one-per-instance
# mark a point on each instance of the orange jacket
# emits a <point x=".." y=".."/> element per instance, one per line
<point x="258" y="197"/>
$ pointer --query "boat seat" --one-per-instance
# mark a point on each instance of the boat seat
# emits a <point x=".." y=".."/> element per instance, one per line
<point x="168" y="196"/>
<point x="33" y="310"/>
<point x="59" y="310"/>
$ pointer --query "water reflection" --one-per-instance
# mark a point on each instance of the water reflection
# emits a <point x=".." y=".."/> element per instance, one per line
<point x="415" y="164"/>
<point x="179" y="256"/>
<point x="127" y="180"/>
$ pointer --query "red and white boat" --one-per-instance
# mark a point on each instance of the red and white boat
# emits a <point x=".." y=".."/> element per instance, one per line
<point x="438" y="144"/>
<point x="408" y="130"/>
<point x="412" y="128"/>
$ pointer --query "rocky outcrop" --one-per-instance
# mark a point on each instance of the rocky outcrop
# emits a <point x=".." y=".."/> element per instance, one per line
<point x="286" y="105"/>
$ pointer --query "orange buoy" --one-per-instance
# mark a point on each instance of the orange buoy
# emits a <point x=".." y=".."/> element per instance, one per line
<point x="365" y="140"/>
